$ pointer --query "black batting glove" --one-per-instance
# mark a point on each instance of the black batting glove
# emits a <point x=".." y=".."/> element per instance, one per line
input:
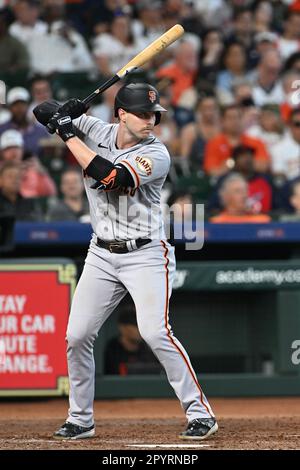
<point x="74" y="108"/>
<point x="64" y="128"/>
<point x="44" y="111"/>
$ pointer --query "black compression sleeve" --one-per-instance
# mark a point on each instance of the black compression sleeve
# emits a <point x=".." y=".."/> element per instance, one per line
<point x="124" y="177"/>
<point x="99" y="167"/>
<point x="107" y="175"/>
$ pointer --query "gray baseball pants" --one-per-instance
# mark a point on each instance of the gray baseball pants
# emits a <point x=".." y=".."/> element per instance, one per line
<point x="147" y="274"/>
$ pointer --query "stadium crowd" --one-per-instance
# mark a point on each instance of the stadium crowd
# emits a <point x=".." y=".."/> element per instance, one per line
<point x="231" y="85"/>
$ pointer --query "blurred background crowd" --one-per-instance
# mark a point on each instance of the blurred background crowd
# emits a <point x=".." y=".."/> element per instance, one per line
<point x="231" y="86"/>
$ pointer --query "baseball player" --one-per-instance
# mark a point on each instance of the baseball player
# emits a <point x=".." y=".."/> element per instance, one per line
<point x="124" y="168"/>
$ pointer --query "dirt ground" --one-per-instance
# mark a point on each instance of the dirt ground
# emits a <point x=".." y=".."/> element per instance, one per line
<point x="256" y="423"/>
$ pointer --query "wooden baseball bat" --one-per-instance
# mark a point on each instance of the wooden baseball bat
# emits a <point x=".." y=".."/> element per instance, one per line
<point x="140" y="59"/>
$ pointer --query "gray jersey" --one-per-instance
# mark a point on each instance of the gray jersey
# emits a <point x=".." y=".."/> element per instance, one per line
<point x="126" y="213"/>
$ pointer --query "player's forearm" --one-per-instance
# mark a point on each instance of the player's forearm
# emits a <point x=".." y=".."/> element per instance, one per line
<point x="81" y="152"/>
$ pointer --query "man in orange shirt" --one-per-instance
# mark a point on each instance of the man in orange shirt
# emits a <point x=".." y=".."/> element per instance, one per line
<point x="234" y="197"/>
<point x="218" y="151"/>
<point x="182" y="72"/>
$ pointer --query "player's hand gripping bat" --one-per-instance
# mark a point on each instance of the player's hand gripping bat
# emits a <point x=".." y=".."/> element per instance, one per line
<point x="140" y="59"/>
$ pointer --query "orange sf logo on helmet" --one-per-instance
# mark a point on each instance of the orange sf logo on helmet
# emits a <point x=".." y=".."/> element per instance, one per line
<point x="152" y="96"/>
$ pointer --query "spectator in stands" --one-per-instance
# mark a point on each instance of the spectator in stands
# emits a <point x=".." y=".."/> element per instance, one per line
<point x="286" y="153"/>
<point x="267" y="87"/>
<point x="178" y="11"/>
<point x="53" y="10"/>
<point x="242" y="93"/>
<point x="234" y="193"/>
<point x="193" y="136"/>
<point x="295" y="204"/>
<point x="99" y="19"/>
<point x="73" y="205"/>
<point x="66" y="48"/>
<point x="77" y="13"/>
<point x="279" y="12"/>
<point x="181" y="206"/>
<point x="27" y="25"/>
<point x="264" y="41"/>
<point x="173" y="8"/>
<point x="291" y="90"/>
<point x="270" y="127"/>
<point x="167" y="131"/>
<point x="55" y="157"/>
<point x="259" y="187"/>
<point x="35" y="181"/>
<point x="250" y="114"/>
<point x="263" y="16"/>
<point x="40" y="88"/>
<point x="128" y="353"/>
<point x="289" y="41"/>
<point x="234" y="66"/>
<point x="114" y="49"/>
<point x="214" y="13"/>
<point x="218" y="151"/>
<point x="190" y="18"/>
<point x="18" y="99"/>
<point x="148" y="25"/>
<point x="182" y="72"/>
<point x="13" y="54"/>
<point x="11" y="201"/>
<point x="293" y="63"/>
<point x="243" y="31"/>
<point x="210" y="54"/>
<point x="105" y="110"/>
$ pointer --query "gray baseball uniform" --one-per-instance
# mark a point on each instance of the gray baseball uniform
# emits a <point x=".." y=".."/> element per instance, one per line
<point x="146" y="273"/>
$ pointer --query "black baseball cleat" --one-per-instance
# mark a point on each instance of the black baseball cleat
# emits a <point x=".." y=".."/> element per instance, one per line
<point x="200" y="429"/>
<point x="73" y="431"/>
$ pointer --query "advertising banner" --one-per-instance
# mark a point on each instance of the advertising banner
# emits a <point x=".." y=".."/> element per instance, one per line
<point x="34" y="307"/>
<point x="234" y="275"/>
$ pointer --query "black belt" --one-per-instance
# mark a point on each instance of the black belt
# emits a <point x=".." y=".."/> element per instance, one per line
<point x="123" y="247"/>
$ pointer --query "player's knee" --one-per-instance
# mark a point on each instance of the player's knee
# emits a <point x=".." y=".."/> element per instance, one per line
<point x="78" y="342"/>
<point x="151" y="336"/>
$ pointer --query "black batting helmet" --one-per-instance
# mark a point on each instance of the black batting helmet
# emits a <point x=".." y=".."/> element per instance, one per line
<point x="139" y="98"/>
